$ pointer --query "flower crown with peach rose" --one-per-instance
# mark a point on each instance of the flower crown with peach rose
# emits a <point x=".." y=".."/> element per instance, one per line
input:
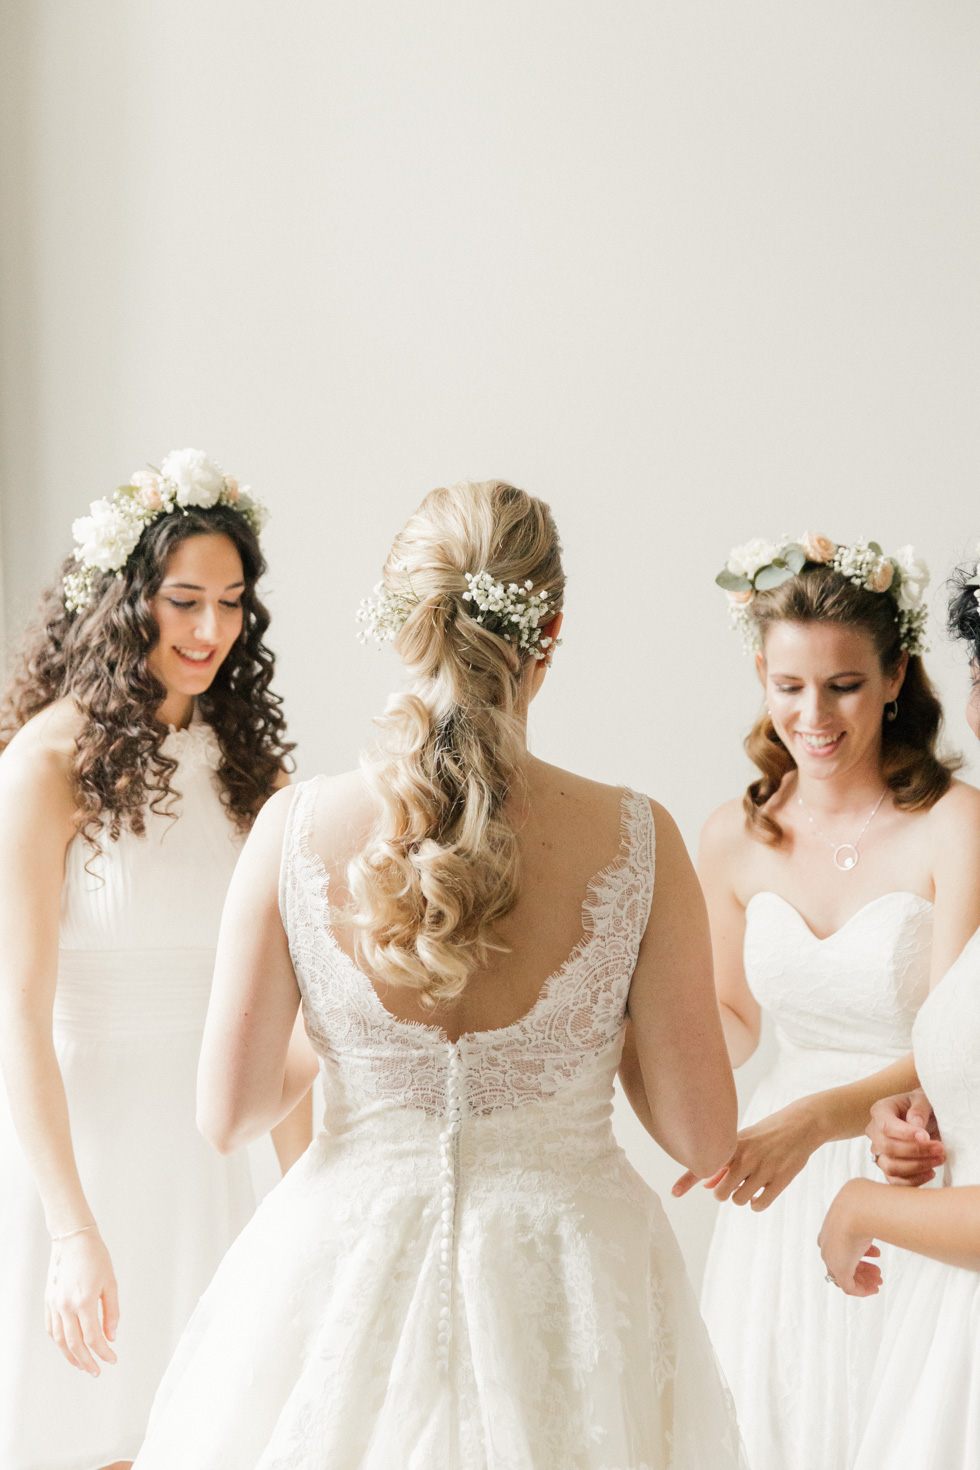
<point x="759" y="566"/>
<point x="106" y="538"/>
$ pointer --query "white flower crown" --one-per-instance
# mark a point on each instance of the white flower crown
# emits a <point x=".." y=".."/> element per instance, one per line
<point x="513" y="612"/>
<point x="758" y="566"/>
<point x="106" y="538"/>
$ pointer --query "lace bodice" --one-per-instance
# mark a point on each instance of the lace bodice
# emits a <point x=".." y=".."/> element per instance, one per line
<point x="571" y="1036"/>
<point x="858" y="990"/>
<point x="946" y="1042"/>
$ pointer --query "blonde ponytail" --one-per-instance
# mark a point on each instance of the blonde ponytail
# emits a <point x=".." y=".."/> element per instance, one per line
<point x="442" y="867"/>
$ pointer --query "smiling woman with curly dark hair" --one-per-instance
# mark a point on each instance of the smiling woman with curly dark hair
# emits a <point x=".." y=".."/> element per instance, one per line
<point x="140" y="738"/>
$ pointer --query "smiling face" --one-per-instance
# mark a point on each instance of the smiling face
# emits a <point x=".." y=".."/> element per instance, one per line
<point x="826" y="693"/>
<point x="198" y="609"/>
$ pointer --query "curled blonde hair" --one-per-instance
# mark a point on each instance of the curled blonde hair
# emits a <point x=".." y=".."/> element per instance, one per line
<point x="442" y="866"/>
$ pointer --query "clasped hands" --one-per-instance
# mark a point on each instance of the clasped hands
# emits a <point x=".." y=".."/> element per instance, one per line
<point x="907" y="1148"/>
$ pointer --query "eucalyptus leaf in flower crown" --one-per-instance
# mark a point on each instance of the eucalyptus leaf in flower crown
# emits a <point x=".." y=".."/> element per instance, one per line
<point x="759" y="566"/>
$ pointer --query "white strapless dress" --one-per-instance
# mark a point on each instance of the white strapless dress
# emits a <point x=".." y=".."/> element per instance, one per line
<point x="925" y="1403"/>
<point x="137" y="945"/>
<point x="464" y="1272"/>
<point x="798" y="1354"/>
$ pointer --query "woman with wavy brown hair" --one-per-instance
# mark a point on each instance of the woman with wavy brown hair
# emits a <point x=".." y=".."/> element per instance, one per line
<point x="839" y="888"/>
<point x="141" y="738"/>
<point x="463" y="1272"/>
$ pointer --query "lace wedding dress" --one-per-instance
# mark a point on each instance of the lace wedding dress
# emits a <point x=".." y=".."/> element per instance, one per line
<point x="797" y="1353"/>
<point x="463" y="1273"/>
<point x="925" y="1401"/>
<point x="139" y="927"/>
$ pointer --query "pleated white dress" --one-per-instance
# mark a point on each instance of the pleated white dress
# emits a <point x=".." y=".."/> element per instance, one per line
<point x="464" y="1273"/>
<point x="797" y="1354"/>
<point x="137" y="941"/>
<point x="924" y="1412"/>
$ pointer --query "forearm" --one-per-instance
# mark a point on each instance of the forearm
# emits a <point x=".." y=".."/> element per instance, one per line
<point x="740" y="1039"/>
<point x="941" y="1223"/>
<point x="844" y="1112"/>
<point x="292" y="1137"/>
<point x="39" y="1110"/>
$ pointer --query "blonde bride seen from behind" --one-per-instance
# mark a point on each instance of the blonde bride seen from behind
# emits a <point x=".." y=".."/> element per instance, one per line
<point x="463" y="1271"/>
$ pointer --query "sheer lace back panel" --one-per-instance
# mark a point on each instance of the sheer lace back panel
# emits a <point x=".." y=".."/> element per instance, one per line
<point x="572" y="1034"/>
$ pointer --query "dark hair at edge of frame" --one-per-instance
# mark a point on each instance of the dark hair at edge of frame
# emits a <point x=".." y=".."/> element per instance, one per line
<point x="963" y="619"/>
<point x="913" y="770"/>
<point x="98" y="657"/>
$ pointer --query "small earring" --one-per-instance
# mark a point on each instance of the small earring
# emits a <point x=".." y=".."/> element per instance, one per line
<point x="891" y="710"/>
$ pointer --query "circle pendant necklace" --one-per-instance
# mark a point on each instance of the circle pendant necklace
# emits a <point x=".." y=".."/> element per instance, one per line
<point x="845" y="853"/>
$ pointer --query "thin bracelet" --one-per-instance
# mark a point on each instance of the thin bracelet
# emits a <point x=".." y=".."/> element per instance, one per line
<point x="69" y="1233"/>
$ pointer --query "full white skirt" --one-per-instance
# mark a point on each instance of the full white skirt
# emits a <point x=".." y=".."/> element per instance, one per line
<point x="168" y="1207"/>
<point x="576" y="1342"/>
<point x="797" y="1353"/>
<point x="925" y="1399"/>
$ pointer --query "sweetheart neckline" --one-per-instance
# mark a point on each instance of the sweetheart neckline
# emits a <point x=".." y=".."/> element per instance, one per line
<point x="882" y="897"/>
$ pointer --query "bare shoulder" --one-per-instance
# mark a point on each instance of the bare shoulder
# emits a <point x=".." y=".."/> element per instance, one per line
<point x="38" y="761"/>
<point x="957" y="814"/>
<point x="723" y="830"/>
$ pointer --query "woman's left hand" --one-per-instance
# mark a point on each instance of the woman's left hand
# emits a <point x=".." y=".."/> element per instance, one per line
<point x="769" y="1155"/>
<point x="845" y="1248"/>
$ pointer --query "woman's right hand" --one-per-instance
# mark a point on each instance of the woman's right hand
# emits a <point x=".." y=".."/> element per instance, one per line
<point x="80" y="1282"/>
<point x="905" y="1138"/>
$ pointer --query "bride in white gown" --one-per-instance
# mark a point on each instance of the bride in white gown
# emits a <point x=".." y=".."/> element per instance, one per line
<point x="842" y="886"/>
<point x="463" y="1271"/>
<point x="924" y="1407"/>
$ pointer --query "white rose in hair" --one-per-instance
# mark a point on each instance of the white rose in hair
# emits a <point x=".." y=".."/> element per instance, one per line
<point x="105" y="539"/>
<point x="915" y="578"/>
<point x="746" y="560"/>
<point x="253" y="508"/>
<point x="199" y="480"/>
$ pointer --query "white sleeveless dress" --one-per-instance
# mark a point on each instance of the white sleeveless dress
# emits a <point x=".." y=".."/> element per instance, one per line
<point x="925" y="1402"/>
<point x="137" y="948"/>
<point x="797" y="1353"/>
<point x="464" y="1272"/>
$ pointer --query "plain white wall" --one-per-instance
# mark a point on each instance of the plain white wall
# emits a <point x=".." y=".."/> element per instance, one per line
<point x="691" y="272"/>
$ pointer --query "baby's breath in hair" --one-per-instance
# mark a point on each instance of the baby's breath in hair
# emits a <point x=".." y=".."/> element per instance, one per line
<point x="513" y="612"/>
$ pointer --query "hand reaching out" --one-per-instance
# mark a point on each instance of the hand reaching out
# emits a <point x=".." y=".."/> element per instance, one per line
<point x="905" y="1138"/>
<point x="769" y="1155"/>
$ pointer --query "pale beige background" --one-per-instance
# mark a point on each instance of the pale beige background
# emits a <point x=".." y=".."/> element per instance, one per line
<point x="692" y="272"/>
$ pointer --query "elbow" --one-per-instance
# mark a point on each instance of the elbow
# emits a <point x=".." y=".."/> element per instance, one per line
<point x="221" y="1131"/>
<point x="709" y="1156"/>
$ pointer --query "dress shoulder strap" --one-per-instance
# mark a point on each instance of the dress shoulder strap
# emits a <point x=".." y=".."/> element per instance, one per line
<point x="620" y="896"/>
<point x="295" y="841"/>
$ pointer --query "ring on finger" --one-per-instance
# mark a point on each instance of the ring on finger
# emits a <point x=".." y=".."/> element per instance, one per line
<point x="831" y="1278"/>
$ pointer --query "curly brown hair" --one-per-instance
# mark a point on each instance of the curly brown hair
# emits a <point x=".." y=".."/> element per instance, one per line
<point x="98" y="657"/>
<point x="911" y="767"/>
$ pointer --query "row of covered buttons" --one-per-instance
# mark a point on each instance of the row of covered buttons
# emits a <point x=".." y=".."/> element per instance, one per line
<point x="448" y="1147"/>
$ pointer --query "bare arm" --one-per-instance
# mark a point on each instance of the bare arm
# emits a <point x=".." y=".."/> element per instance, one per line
<point x="293" y="1136"/>
<point x="686" y="1078"/>
<point x="250" y="1077"/>
<point x="741" y="1014"/>
<point x="941" y="1223"/>
<point x="36" y="824"/>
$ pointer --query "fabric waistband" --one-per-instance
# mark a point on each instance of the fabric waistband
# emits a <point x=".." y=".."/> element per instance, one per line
<point x="132" y="991"/>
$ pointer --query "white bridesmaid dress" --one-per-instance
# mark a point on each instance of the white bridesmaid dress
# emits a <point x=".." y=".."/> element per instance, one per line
<point x="925" y="1402"/>
<point x="797" y="1353"/>
<point x="137" y="945"/>
<point x="464" y="1273"/>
